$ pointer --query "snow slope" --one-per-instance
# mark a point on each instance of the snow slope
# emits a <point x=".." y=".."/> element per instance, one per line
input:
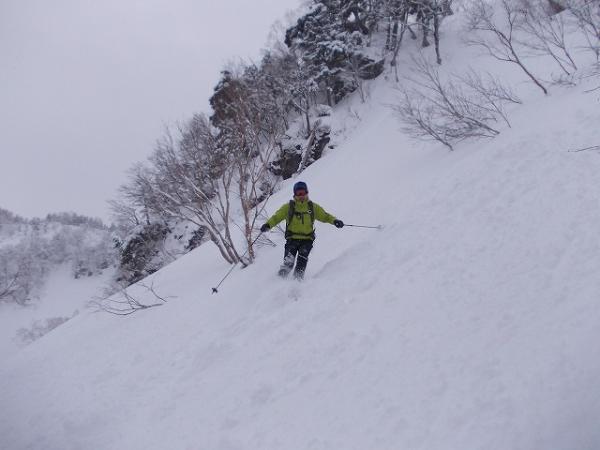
<point x="66" y="248"/>
<point x="469" y="322"/>
<point x="61" y="296"/>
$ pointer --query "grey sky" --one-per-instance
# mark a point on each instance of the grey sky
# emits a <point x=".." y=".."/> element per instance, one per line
<point x="87" y="86"/>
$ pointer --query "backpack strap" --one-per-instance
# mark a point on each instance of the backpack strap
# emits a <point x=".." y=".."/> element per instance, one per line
<point x="291" y="211"/>
<point x="311" y="209"/>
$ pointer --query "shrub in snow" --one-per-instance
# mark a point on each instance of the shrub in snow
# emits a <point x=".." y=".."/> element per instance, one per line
<point x="39" y="328"/>
<point x="454" y="109"/>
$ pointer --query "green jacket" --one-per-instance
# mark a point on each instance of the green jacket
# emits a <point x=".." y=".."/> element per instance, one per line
<point x="301" y="226"/>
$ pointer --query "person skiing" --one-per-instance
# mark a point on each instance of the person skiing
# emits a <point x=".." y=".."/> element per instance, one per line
<point x="300" y="214"/>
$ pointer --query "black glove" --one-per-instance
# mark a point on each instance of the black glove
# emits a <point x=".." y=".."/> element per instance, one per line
<point x="338" y="223"/>
<point x="266" y="227"/>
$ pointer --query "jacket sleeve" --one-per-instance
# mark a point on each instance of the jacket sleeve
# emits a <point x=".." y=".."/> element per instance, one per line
<point x="279" y="215"/>
<point x="323" y="216"/>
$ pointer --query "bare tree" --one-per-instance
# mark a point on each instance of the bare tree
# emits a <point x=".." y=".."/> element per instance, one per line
<point x="493" y="95"/>
<point x="249" y="131"/>
<point x="304" y="89"/>
<point x="192" y="182"/>
<point x="125" y="215"/>
<point x="137" y="202"/>
<point x="23" y="268"/>
<point x="451" y="110"/>
<point x="213" y="171"/>
<point x="429" y="15"/>
<point x="587" y="13"/>
<point x="497" y="35"/>
<point x="544" y="33"/>
<point x="419" y="118"/>
<point x="9" y="284"/>
<point x="396" y="14"/>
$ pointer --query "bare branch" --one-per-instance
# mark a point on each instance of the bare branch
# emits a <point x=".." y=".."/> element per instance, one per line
<point x="450" y="111"/>
<point x="126" y="304"/>
<point x="496" y="35"/>
<point x="544" y="34"/>
<point x="593" y="147"/>
<point x="587" y="14"/>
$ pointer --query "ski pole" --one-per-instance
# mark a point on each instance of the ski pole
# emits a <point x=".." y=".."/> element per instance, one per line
<point x="215" y="289"/>
<point x="378" y="227"/>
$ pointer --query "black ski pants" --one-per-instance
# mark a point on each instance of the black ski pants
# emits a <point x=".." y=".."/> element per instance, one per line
<point x="293" y="247"/>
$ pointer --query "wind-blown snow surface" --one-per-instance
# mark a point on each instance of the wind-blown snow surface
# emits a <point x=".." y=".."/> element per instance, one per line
<point x="470" y="322"/>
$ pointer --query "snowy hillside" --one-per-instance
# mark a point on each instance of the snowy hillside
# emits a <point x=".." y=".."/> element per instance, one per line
<point x="469" y="322"/>
<point x="49" y="271"/>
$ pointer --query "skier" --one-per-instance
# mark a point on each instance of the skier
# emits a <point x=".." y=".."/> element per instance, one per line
<point x="300" y="214"/>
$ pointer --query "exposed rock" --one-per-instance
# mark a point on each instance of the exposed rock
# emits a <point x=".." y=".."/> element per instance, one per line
<point x="322" y="138"/>
<point x="341" y="87"/>
<point x="323" y="110"/>
<point x="289" y="160"/>
<point x="369" y="69"/>
<point x="316" y="144"/>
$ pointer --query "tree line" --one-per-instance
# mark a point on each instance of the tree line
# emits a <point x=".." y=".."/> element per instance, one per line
<point x="31" y="248"/>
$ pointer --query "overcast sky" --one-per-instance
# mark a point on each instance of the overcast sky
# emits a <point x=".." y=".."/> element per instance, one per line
<point x="87" y="86"/>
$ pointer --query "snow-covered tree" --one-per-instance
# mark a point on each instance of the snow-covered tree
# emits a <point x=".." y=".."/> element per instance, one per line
<point x="38" y="246"/>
